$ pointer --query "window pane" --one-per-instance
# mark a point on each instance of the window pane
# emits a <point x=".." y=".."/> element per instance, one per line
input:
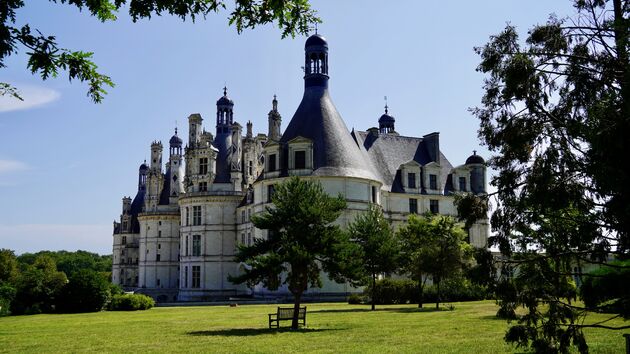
<point x="411" y="180"/>
<point x="300" y="159"/>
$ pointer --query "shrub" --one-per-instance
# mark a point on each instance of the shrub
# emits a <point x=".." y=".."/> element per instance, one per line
<point x="86" y="291"/>
<point x="131" y="302"/>
<point x="7" y="294"/>
<point x="403" y="291"/>
<point x="355" y="299"/>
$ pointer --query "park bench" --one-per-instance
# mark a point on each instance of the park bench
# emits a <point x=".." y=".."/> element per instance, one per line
<point x="286" y="314"/>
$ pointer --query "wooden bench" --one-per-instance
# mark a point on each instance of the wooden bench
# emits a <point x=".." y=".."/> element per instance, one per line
<point x="286" y="314"/>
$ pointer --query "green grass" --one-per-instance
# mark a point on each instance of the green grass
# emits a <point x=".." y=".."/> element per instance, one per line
<point x="332" y="328"/>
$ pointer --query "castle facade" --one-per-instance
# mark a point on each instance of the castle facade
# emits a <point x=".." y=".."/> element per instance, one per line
<point x="176" y="239"/>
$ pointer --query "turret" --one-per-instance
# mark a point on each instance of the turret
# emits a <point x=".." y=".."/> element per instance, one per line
<point x="126" y="205"/>
<point x="477" y="173"/>
<point x="175" y="167"/>
<point x="194" y="129"/>
<point x="142" y="176"/>
<point x="156" y="156"/>
<point x="386" y="122"/>
<point x="274" y="121"/>
<point x="250" y="133"/>
<point x="316" y="61"/>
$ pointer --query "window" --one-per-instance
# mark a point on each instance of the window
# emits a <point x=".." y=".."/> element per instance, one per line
<point x="159" y="233"/>
<point x="196" y="251"/>
<point x="203" y="166"/>
<point x="373" y="194"/>
<point x="249" y="214"/>
<point x="434" y="206"/>
<point x="242" y="216"/>
<point x="197" y="215"/>
<point x="271" y="165"/>
<point x="203" y="186"/>
<point x="196" y="276"/>
<point x="159" y="246"/>
<point x="242" y="237"/>
<point x="185" y="276"/>
<point x="157" y="257"/>
<point x="158" y="282"/>
<point x="270" y="190"/>
<point x="186" y="250"/>
<point x="300" y="160"/>
<point x="433" y="181"/>
<point x="124" y="240"/>
<point x="413" y="206"/>
<point x="249" y="238"/>
<point x="462" y="184"/>
<point x="187" y="216"/>
<point x="250" y="169"/>
<point x="411" y="180"/>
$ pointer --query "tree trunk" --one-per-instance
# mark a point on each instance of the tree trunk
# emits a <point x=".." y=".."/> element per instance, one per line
<point x="373" y="291"/>
<point x="437" y="301"/>
<point x="296" y="310"/>
<point x="420" y="292"/>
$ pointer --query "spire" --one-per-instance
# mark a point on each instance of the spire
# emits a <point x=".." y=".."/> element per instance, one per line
<point x="275" y="120"/>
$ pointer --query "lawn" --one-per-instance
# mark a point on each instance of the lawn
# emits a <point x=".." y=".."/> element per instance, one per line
<point x="332" y="328"/>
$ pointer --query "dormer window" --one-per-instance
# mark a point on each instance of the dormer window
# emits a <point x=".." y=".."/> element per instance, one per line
<point x="203" y="166"/>
<point x="433" y="182"/>
<point x="462" y="184"/>
<point x="271" y="163"/>
<point x="411" y="180"/>
<point x="300" y="159"/>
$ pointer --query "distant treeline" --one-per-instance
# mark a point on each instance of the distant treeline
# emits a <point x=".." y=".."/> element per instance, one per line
<point x="56" y="281"/>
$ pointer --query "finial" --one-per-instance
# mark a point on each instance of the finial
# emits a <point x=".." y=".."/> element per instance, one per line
<point x="225" y="90"/>
<point x="175" y="130"/>
<point x="386" y="107"/>
<point x="275" y="103"/>
<point x="315" y="27"/>
<point x="474" y="152"/>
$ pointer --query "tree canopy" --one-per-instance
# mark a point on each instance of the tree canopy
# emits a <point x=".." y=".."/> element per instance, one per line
<point x="378" y="251"/>
<point x="555" y="114"/>
<point x="435" y="246"/>
<point x="301" y="241"/>
<point x="47" y="58"/>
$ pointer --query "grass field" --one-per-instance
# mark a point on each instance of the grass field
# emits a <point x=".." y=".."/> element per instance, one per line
<point x="332" y="328"/>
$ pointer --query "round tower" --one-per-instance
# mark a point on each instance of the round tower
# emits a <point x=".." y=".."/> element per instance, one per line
<point x="274" y="120"/>
<point x="477" y="173"/>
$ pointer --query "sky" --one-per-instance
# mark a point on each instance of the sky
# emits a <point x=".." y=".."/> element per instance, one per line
<point x="65" y="162"/>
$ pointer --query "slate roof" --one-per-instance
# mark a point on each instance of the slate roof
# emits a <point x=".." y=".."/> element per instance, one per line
<point x="335" y="153"/>
<point x="387" y="152"/>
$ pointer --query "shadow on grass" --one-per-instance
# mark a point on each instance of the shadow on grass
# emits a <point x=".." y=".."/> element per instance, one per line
<point x="493" y="317"/>
<point x="245" y="332"/>
<point x="390" y="309"/>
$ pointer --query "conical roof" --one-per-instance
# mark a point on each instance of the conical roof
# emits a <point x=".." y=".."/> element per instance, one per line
<point x="335" y="153"/>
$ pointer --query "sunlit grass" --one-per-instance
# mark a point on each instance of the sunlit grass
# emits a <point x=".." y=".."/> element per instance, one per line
<point x="332" y="328"/>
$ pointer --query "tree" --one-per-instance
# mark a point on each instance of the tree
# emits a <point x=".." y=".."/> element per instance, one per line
<point x="47" y="59"/>
<point x="8" y="266"/>
<point x="86" y="291"/>
<point x="432" y="245"/>
<point x="378" y="249"/>
<point x="38" y="287"/>
<point x="300" y="242"/>
<point x="555" y="113"/>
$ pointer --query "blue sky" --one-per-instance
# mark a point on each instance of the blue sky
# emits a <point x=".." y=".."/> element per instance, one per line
<point x="65" y="163"/>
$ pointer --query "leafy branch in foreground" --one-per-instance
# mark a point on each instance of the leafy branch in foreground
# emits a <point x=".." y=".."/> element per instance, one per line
<point x="555" y="113"/>
<point x="46" y="58"/>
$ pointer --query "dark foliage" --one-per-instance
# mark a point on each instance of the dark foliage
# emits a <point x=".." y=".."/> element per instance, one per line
<point x="556" y="114"/>
<point x="301" y="241"/>
<point x="86" y="291"/>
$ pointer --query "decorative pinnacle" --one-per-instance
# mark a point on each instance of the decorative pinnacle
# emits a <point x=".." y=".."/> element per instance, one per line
<point x="175" y="130"/>
<point x="474" y="152"/>
<point x="275" y="103"/>
<point x="225" y="91"/>
<point x="386" y="107"/>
